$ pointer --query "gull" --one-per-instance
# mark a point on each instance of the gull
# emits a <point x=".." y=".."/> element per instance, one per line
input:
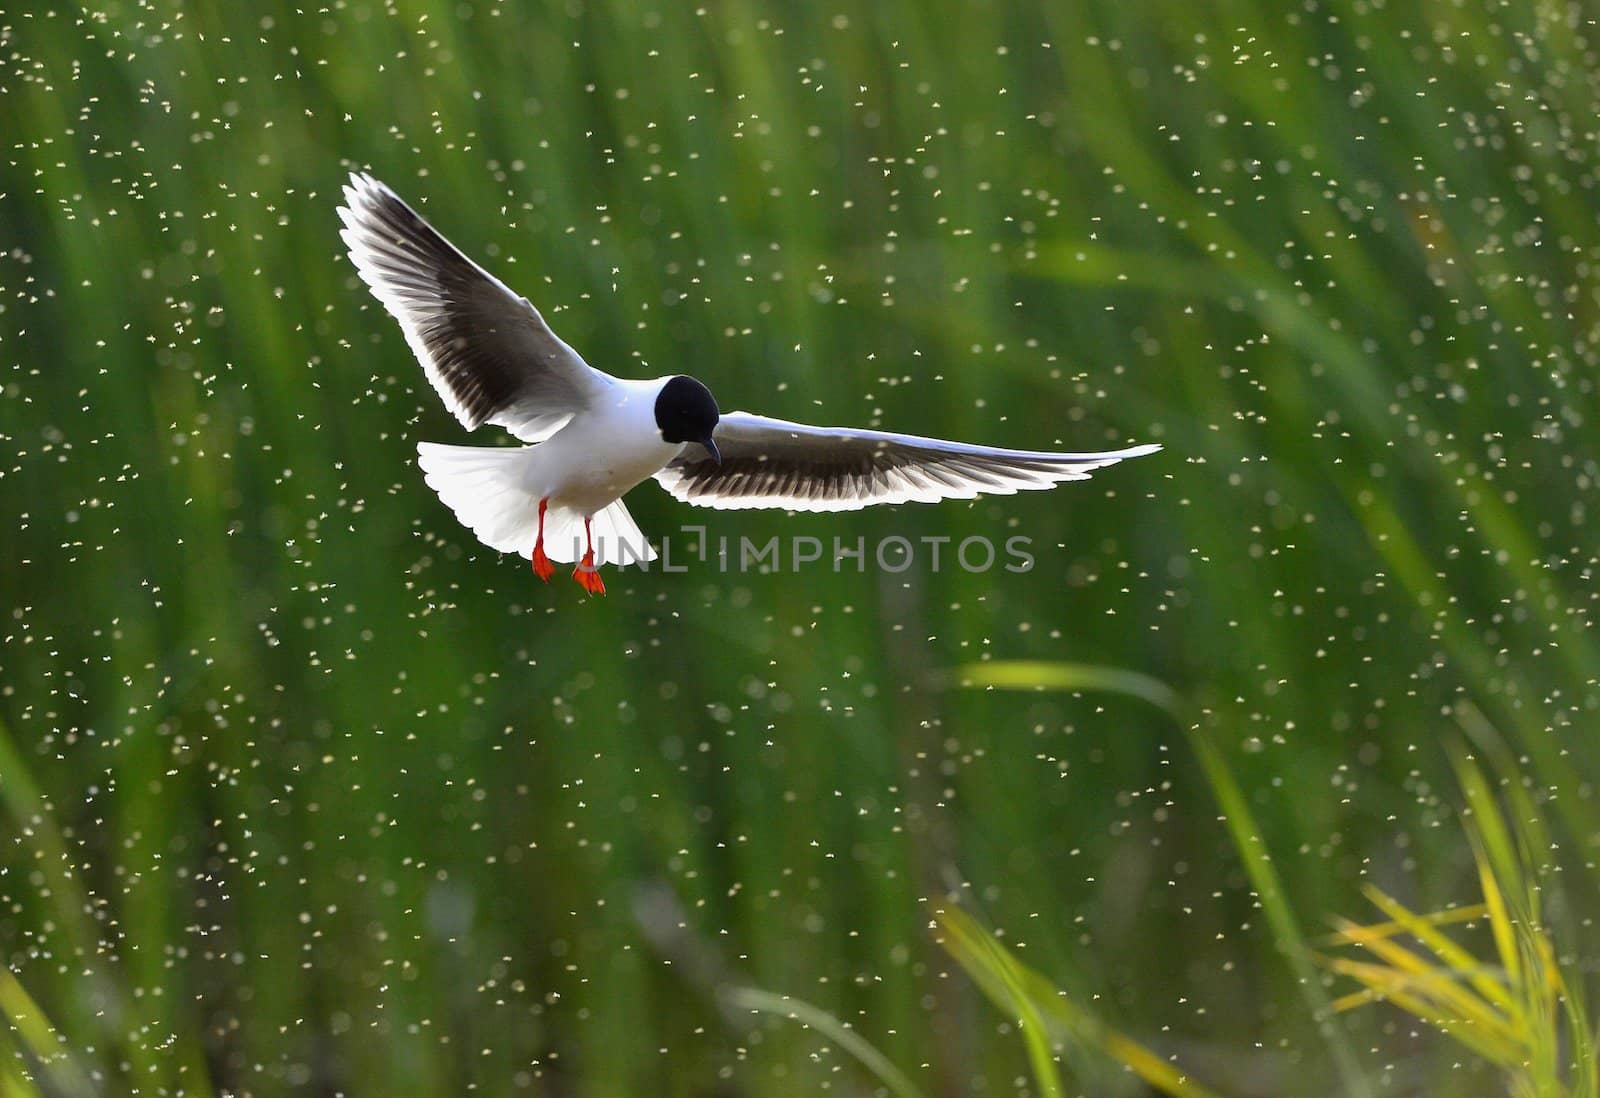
<point x="593" y="437"/>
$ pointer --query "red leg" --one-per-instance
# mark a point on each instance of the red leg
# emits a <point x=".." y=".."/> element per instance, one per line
<point x="541" y="563"/>
<point x="587" y="575"/>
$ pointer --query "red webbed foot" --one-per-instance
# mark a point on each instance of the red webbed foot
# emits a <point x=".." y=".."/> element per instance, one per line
<point x="588" y="575"/>
<point x="541" y="563"/>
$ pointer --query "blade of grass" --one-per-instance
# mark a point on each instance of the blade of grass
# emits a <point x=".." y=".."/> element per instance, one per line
<point x="1240" y="822"/>
<point x="977" y="951"/>
<point x="813" y="1017"/>
<point x="1044" y="675"/>
<point x="1450" y="1001"/>
<point x="1016" y="988"/>
<point x="1411" y="994"/>
<point x="1532" y="1023"/>
<point x="1468" y="914"/>
<point x="1489" y="988"/>
<point x="40" y="1040"/>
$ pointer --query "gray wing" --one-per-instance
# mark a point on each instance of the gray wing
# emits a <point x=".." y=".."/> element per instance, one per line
<point x="774" y="463"/>
<point x="487" y="351"/>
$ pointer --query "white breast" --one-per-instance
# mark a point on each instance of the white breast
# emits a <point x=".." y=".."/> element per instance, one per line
<point x="603" y="451"/>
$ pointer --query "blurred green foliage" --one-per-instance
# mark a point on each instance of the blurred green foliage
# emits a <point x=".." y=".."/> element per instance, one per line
<point x="304" y="791"/>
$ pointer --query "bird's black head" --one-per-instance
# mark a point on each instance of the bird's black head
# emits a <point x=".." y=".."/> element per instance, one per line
<point x="687" y="412"/>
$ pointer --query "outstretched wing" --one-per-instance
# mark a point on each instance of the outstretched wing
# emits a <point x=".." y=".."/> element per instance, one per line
<point x="774" y="463"/>
<point x="487" y="351"/>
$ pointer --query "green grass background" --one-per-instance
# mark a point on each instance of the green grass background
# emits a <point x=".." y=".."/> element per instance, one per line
<point x="303" y="791"/>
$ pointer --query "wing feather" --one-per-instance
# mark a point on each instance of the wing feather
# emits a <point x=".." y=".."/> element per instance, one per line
<point x="487" y="351"/>
<point x="775" y="463"/>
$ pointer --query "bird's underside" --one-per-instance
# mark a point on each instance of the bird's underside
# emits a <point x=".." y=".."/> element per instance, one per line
<point x="492" y="358"/>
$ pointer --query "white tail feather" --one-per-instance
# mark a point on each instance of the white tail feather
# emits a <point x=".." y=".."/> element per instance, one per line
<point x="613" y="533"/>
<point x="487" y="488"/>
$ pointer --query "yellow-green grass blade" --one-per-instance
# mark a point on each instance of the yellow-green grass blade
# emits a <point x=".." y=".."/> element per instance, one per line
<point x="1531" y="830"/>
<point x="1248" y="838"/>
<point x="1047" y="675"/>
<point x="981" y="956"/>
<point x="1456" y="957"/>
<point x="1469" y="913"/>
<point x="1542" y="1009"/>
<point x="13" y="1079"/>
<point x="1486" y="821"/>
<point x="1442" y="985"/>
<point x="1015" y="986"/>
<point x="1414" y="993"/>
<point x="41" y="1041"/>
<point x="1532" y="1021"/>
<point x="1513" y="901"/>
<point x="1500" y="924"/>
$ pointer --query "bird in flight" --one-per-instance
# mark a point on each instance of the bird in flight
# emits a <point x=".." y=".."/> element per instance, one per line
<point x="593" y="437"/>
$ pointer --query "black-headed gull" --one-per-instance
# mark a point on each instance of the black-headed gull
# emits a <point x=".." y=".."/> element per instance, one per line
<point x="493" y="359"/>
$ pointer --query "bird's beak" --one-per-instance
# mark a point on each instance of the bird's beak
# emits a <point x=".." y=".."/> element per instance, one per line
<point x="711" y="447"/>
